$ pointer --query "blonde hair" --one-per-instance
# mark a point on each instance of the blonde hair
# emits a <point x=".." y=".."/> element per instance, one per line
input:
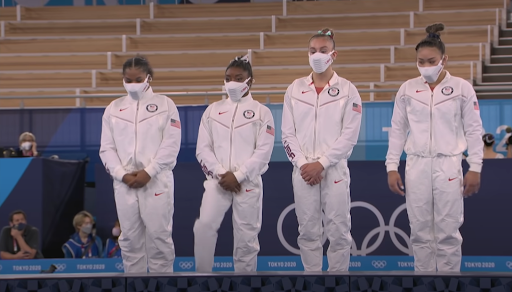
<point x="80" y="218"/>
<point x="25" y="135"/>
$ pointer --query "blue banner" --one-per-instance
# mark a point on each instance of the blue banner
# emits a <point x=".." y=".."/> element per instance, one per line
<point x="74" y="133"/>
<point x="265" y="264"/>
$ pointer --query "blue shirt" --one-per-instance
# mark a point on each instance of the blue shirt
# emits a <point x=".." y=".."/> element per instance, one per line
<point x="75" y="248"/>
<point x="112" y="249"/>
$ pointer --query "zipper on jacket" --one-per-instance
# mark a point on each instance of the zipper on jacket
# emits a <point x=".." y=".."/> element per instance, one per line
<point x="231" y="136"/>
<point x="136" y="130"/>
<point x="431" y="130"/>
<point x="314" y="131"/>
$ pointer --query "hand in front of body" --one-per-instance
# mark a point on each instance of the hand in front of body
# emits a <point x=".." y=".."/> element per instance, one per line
<point x="471" y="183"/>
<point x="136" y="179"/>
<point x="395" y="183"/>
<point x="229" y="182"/>
<point x="312" y="173"/>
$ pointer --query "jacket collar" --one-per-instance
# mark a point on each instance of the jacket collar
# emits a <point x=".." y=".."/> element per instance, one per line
<point x="332" y="81"/>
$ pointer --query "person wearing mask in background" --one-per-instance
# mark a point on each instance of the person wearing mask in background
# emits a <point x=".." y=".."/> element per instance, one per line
<point x="140" y="142"/>
<point x="112" y="249"/>
<point x="28" y="146"/>
<point x="234" y="145"/>
<point x="488" y="147"/>
<point x="19" y="240"/>
<point x="436" y="117"/>
<point x="320" y="127"/>
<point x="82" y="244"/>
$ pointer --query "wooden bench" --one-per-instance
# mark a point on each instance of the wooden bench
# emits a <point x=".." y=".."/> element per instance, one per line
<point x="219" y="10"/>
<point x="61" y="45"/>
<point x="84" y="12"/>
<point x="440" y="5"/>
<point x="359" y="6"/>
<point x="69" y="28"/>
<point x="7" y="13"/>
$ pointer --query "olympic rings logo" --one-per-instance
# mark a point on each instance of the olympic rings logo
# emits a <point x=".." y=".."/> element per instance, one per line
<point x="379" y="264"/>
<point x="186" y="265"/>
<point x="60" y="267"/>
<point x="119" y="266"/>
<point x="509" y="265"/>
<point x="365" y="249"/>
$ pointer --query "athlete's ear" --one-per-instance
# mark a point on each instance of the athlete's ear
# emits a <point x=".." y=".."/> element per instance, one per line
<point x="445" y="60"/>
<point x="250" y="82"/>
<point x="334" y="55"/>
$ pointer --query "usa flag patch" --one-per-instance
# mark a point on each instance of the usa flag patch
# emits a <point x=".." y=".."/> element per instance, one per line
<point x="270" y="130"/>
<point x="175" y="123"/>
<point x="357" y="108"/>
<point x="475" y="106"/>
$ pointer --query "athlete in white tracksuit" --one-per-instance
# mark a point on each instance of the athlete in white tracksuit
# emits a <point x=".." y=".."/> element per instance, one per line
<point x="321" y="125"/>
<point x="435" y="119"/>
<point x="141" y="134"/>
<point x="236" y="139"/>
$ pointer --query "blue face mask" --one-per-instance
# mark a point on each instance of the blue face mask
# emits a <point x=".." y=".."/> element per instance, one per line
<point x="20" y="226"/>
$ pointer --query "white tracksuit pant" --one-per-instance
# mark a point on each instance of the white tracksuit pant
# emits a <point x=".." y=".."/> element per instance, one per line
<point x="145" y="216"/>
<point x="247" y="208"/>
<point x="332" y="196"/>
<point x="433" y="192"/>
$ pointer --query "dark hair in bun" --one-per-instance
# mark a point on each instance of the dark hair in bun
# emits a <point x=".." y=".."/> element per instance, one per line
<point x="433" y="39"/>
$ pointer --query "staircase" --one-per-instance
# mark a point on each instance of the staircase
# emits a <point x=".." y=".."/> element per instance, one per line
<point x="499" y="71"/>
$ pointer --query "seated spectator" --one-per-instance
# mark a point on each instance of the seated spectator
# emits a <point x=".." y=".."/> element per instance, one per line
<point x="28" y="146"/>
<point x="82" y="244"/>
<point x="489" y="147"/>
<point x="112" y="249"/>
<point x="19" y="240"/>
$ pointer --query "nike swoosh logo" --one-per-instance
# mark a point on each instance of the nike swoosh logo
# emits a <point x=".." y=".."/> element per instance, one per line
<point x="246" y="190"/>
<point x="337" y="181"/>
<point x="123" y="109"/>
<point x="418" y="91"/>
<point x="223" y="112"/>
<point x="156" y="195"/>
<point x="450" y="179"/>
<point x="305" y="91"/>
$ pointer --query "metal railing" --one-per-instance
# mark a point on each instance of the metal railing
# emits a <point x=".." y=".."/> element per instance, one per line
<point x="81" y="99"/>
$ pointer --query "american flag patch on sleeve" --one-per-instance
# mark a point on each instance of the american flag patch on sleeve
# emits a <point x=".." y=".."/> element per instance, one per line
<point x="475" y="106"/>
<point x="357" y="108"/>
<point x="270" y="130"/>
<point x="175" y="123"/>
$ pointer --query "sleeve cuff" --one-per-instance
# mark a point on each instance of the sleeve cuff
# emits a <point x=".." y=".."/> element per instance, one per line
<point x="151" y="170"/>
<point x="324" y="161"/>
<point x="391" y="167"/>
<point x="119" y="172"/>
<point x="218" y="171"/>
<point x="240" y="177"/>
<point x="301" y="162"/>
<point x="475" y="167"/>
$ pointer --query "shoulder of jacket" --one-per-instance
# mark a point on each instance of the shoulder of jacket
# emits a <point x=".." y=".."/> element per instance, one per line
<point x="298" y="82"/>
<point x="117" y="102"/>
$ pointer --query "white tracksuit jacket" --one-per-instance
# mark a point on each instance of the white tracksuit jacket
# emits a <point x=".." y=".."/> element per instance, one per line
<point x="444" y="122"/>
<point x="233" y="136"/>
<point x="136" y="135"/>
<point x="322" y="127"/>
<point x="435" y="127"/>
<point x="236" y="137"/>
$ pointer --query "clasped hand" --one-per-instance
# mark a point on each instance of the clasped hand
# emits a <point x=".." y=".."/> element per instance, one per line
<point x="228" y="182"/>
<point x="312" y="173"/>
<point x="136" y="179"/>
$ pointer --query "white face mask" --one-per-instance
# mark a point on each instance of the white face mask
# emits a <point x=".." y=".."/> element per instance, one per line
<point x="26" y="146"/>
<point x="320" y="62"/>
<point x="87" y="229"/>
<point x="136" y="90"/>
<point x="430" y="74"/>
<point x="236" y="90"/>
<point x="116" y="231"/>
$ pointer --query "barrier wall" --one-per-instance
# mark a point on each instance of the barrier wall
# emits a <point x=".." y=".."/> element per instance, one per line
<point x="72" y="133"/>
<point x="40" y="3"/>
